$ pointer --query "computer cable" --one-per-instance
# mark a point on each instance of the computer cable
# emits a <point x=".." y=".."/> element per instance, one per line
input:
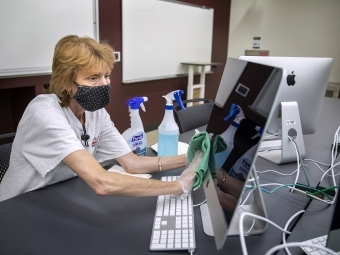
<point x="270" y="170"/>
<point x="200" y="203"/>
<point x="299" y="159"/>
<point x="279" y="133"/>
<point x="247" y="197"/>
<point x="296" y="189"/>
<point x="320" y="163"/>
<point x="290" y="186"/>
<point x="277" y="247"/>
<point x="330" y="169"/>
<point x="241" y="230"/>
<point x="322" y="191"/>
<point x="286" y="228"/>
<point x="334" y="152"/>
<point x="296" y="244"/>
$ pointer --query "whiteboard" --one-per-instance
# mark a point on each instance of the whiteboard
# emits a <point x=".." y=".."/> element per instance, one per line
<point x="158" y="35"/>
<point x="30" y="30"/>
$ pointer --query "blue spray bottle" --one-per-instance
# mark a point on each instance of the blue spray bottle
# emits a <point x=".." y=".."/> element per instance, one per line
<point x="135" y="135"/>
<point x="168" y="130"/>
<point x="229" y="133"/>
<point x="242" y="166"/>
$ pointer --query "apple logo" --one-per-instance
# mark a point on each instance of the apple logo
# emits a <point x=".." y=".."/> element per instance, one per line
<point x="291" y="79"/>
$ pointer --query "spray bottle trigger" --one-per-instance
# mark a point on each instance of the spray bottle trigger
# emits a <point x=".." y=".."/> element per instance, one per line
<point x="142" y="107"/>
<point x="177" y="96"/>
<point x="259" y="132"/>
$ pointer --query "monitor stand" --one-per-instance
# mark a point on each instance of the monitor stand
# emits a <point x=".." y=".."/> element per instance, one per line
<point x="291" y="126"/>
<point x="213" y="218"/>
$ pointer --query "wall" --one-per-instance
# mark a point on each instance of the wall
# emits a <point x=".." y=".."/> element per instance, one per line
<point x="110" y="29"/>
<point x="305" y="28"/>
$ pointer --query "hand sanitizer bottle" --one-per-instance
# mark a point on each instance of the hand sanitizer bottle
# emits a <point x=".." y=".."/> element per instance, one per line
<point x="242" y="166"/>
<point x="168" y="130"/>
<point x="135" y="135"/>
<point x="229" y="133"/>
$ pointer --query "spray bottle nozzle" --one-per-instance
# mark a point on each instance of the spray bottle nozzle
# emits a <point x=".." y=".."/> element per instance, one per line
<point x="235" y="111"/>
<point x="136" y="102"/>
<point x="175" y="95"/>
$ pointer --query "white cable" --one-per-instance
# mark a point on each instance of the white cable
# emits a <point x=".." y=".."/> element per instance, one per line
<point x="295" y="244"/>
<point x="242" y="239"/>
<point x="334" y="152"/>
<point x="200" y="203"/>
<point x="285" y="228"/>
<point x="315" y="161"/>
<point x="323" y="171"/>
<point x="252" y="225"/>
<point x="271" y="135"/>
<point x="297" y="160"/>
<point x="245" y="200"/>
<point x="329" y="169"/>
<point x="265" y="171"/>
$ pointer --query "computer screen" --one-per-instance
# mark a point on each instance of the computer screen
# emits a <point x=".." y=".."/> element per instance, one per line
<point x="305" y="83"/>
<point x="235" y="121"/>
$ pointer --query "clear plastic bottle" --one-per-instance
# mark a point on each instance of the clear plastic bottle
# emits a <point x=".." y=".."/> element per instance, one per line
<point x="135" y="135"/>
<point x="168" y="130"/>
<point x="229" y="133"/>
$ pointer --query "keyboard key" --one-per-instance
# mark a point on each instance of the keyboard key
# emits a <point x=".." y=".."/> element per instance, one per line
<point x="158" y="246"/>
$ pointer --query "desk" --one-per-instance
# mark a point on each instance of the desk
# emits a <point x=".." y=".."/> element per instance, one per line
<point x="314" y="222"/>
<point x="69" y="218"/>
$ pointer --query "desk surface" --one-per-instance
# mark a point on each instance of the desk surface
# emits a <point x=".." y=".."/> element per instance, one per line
<point x="69" y="218"/>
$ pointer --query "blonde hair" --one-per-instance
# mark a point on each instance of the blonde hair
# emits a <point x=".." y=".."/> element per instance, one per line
<point x="71" y="54"/>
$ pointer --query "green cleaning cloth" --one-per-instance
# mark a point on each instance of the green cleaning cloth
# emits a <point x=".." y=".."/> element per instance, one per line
<point x="217" y="145"/>
<point x="201" y="141"/>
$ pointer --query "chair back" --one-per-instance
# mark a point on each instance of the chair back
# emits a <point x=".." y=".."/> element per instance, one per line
<point x="194" y="116"/>
<point x="5" y="152"/>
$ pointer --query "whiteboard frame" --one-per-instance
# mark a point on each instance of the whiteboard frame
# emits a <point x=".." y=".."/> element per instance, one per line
<point x="46" y="70"/>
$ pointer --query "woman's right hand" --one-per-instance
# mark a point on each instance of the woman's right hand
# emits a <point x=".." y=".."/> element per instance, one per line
<point x="187" y="178"/>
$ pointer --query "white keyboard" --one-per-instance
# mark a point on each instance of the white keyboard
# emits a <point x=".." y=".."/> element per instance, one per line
<point x="173" y="227"/>
<point x="321" y="240"/>
<point x="270" y="145"/>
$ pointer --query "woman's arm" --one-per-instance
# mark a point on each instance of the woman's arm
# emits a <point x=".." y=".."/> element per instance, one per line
<point x="139" y="164"/>
<point x="110" y="183"/>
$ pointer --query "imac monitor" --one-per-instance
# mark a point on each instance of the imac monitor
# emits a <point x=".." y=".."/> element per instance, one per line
<point x="299" y="103"/>
<point x="242" y="84"/>
<point x="305" y="82"/>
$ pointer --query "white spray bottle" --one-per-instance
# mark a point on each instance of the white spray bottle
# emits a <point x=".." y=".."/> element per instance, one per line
<point x="229" y="133"/>
<point x="242" y="166"/>
<point x="135" y="135"/>
<point x="168" y="130"/>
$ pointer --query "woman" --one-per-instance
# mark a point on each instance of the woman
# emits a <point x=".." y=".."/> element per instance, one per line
<point x="67" y="132"/>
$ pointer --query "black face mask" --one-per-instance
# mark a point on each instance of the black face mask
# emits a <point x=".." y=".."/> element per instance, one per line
<point x="92" y="98"/>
